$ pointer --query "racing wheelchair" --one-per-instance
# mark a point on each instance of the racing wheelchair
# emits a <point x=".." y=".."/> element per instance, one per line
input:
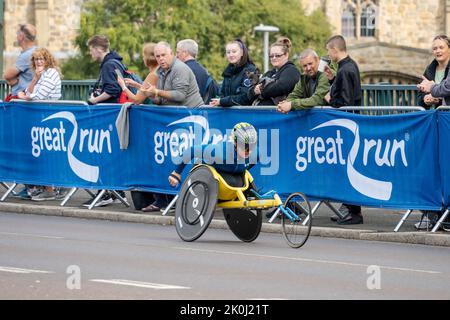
<point x="204" y="189"/>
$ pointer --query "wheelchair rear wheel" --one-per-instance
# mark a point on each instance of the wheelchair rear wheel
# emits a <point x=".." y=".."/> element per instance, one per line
<point x="244" y="223"/>
<point x="196" y="204"/>
<point x="294" y="232"/>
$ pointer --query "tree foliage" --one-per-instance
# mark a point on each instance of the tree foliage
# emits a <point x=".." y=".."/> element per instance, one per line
<point x="212" y="23"/>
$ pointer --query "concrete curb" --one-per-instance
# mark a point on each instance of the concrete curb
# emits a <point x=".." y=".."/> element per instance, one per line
<point x="423" y="238"/>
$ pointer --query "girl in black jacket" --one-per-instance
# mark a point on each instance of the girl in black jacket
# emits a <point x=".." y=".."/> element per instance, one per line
<point x="235" y="85"/>
<point x="437" y="70"/>
<point x="276" y="84"/>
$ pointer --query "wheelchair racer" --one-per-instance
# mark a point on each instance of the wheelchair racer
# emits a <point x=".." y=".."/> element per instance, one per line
<point x="238" y="149"/>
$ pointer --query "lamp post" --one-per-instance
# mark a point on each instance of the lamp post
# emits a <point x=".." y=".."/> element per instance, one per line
<point x="266" y="30"/>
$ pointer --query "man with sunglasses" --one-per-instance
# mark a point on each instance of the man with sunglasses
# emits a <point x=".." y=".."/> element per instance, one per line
<point x="20" y="75"/>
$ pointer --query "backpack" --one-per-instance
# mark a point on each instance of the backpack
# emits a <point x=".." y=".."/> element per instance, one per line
<point x="129" y="75"/>
<point x="211" y="90"/>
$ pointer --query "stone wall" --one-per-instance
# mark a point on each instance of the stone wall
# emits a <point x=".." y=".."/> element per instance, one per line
<point x="411" y="23"/>
<point x="57" y="22"/>
<point x="383" y="62"/>
<point x="401" y="48"/>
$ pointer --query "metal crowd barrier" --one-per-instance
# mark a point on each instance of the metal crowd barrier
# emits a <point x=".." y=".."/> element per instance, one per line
<point x="382" y="110"/>
<point x="447" y="210"/>
<point x="73" y="190"/>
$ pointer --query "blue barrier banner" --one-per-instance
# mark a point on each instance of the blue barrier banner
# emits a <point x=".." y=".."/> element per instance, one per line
<point x="444" y="153"/>
<point x="382" y="161"/>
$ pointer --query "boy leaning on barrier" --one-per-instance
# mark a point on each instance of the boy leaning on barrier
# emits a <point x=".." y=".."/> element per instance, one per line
<point x="345" y="91"/>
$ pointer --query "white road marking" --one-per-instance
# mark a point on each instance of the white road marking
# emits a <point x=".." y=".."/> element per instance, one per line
<point x="350" y="264"/>
<point x="29" y="235"/>
<point x="20" y="270"/>
<point x="157" y="286"/>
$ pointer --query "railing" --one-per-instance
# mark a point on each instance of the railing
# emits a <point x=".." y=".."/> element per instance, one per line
<point x="389" y="95"/>
<point x="70" y="89"/>
<point x="373" y="94"/>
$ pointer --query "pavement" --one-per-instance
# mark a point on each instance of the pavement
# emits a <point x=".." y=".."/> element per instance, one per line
<point x="378" y="223"/>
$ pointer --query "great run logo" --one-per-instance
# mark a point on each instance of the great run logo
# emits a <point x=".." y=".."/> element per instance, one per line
<point x="329" y="151"/>
<point x="181" y="135"/>
<point x="54" y="139"/>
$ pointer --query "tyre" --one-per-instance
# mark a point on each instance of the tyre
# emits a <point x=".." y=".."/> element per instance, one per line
<point x="196" y="204"/>
<point x="245" y="224"/>
<point x="294" y="232"/>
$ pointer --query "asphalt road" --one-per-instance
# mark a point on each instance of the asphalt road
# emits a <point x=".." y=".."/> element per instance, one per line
<point x="47" y="257"/>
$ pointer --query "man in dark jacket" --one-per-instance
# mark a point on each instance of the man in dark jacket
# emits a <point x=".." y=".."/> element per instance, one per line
<point x="107" y="89"/>
<point x="345" y="91"/>
<point x="346" y="85"/>
<point x="187" y="51"/>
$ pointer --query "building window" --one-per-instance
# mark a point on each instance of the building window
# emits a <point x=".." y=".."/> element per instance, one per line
<point x="359" y="18"/>
<point x="349" y="22"/>
<point x="368" y="19"/>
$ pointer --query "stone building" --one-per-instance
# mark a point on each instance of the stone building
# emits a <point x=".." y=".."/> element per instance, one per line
<point x="57" y="23"/>
<point x="390" y="39"/>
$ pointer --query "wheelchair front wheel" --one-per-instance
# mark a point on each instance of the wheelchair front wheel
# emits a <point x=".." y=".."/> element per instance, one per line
<point x="196" y="204"/>
<point x="294" y="232"/>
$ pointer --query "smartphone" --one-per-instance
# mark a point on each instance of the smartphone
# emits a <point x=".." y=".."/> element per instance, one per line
<point x="119" y="74"/>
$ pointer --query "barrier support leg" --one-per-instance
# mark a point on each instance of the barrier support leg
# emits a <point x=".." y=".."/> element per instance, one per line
<point x="340" y="215"/>
<point x="68" y="196"/>
<point x="90" y="193"/>
<point x="313" y="211"/>
<point x="438" y="224"/>
<point x="171" y="204"/>
<point x="402" y="221"/>
<point x="118" y="196"/>
<point x="99" y="196"/>
<point x="274" y="215"/>
<point x="10" y="189"/>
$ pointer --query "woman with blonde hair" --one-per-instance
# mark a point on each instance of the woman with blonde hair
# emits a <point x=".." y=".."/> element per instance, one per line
<point x="148" y="54"/>
<point x="436" y="71"/>
<point x="46" y="82"/>
<point x="45" y="85"/>
<point x="276" y="84"/>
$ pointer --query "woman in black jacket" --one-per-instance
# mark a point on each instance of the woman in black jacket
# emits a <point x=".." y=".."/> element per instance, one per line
<point x="276" y="84"/>
<point x="235" y="85"/>
<point x="437" y="70"/>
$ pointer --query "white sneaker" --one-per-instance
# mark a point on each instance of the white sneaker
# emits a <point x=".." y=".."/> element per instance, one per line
<point x="424" y="224"/>
<point x="44" y="196"/>
<point x="445" y="226"/>
<point x="104" y="201"/>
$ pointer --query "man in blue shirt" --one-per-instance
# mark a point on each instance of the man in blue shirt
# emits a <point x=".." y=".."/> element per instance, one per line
<point x="19" y="76"/>
<point x="231" y="156"/>
<point x="187" y="51"/>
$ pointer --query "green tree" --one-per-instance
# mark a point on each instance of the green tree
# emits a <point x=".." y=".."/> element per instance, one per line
<point x="212" y="23"/>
